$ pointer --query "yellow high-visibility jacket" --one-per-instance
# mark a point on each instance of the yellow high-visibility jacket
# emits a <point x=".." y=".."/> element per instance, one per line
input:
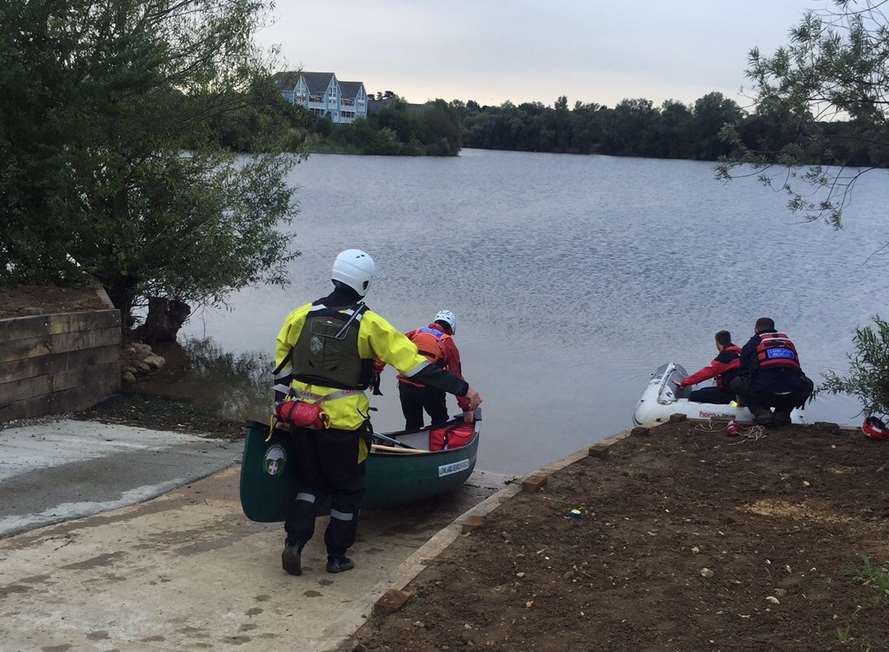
<point x="377" y="340"/>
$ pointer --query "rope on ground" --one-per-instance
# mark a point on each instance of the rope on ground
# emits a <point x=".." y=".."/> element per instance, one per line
<point x="753" y="433"/>
<point x="709" y="426"/>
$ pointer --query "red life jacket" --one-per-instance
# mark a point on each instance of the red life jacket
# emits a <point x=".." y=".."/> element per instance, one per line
<point x="776" y="350"/>
<point x="447" y="437"/>
<point x="430" y="342"/>
<point x="723" y="379"/>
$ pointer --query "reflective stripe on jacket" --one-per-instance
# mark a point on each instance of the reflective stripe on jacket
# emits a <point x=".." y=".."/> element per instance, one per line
<point x="377" y="339"/>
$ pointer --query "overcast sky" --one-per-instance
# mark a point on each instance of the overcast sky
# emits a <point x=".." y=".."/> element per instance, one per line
<point x="494" y="50"/>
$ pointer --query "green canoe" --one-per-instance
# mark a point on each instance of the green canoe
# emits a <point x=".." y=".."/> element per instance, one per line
<point x="395" y="476"/>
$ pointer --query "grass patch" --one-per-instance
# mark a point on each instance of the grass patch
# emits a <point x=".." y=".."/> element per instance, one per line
<point x="872" y="575"/>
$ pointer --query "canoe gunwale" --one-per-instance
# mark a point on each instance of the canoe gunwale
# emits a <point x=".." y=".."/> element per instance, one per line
<point x="427" y="453"/>
<point x="251" y="423"/>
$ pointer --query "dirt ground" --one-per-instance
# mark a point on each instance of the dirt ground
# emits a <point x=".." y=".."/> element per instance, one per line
<point x="687" y="540"/>
<point x="27" y="300"/>
<point x="166" y="400"/>
<point x="161" y="413"/>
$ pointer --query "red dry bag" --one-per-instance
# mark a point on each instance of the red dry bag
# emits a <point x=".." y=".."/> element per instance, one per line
<point x="302" y="415"/>
<point x="447" y="437"/>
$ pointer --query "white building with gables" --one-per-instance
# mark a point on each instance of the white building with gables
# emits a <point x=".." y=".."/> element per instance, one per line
<point x="323" y="94"/>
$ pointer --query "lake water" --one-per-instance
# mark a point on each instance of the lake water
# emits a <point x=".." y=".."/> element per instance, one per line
<point x="573" y="277"/>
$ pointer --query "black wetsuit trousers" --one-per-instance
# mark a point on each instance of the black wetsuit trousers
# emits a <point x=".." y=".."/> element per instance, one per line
<point x="773" y="388"/>
<point x="416" y="399"/>
<point x="327" y="467"/>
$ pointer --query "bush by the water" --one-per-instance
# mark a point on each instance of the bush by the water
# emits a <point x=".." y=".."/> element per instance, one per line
<point x="868" y="377"/>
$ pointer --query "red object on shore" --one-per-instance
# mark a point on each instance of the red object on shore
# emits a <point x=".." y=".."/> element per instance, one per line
<point x="449" y="437"/>
<point x="874" y="428"/>
<point x="302" y="415"/>
<point x="733" y="428"/>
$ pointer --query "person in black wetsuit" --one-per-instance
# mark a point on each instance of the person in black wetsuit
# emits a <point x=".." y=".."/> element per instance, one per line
<point x="770" y="376"/>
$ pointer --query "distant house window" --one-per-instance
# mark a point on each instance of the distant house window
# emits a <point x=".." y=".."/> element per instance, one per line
<point x="314" y="98"/>
<point x="348" y="102"/>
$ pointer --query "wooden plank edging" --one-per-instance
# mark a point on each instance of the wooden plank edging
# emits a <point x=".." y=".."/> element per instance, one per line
<point x="31" y="326"/>
<point x="59" y="362"/>
<point x="53" y="363"/>
<point x="49" y="344"/>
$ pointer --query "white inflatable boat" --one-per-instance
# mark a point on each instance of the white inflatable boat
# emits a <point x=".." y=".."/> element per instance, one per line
<point x="663" y="397"/>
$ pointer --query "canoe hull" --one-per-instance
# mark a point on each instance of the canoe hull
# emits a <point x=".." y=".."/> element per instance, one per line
<point x="268" y="474"/>
<point x="394" y="479"/>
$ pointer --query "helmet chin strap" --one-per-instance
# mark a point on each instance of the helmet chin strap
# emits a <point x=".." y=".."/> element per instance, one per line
<point x="340" y="285"/>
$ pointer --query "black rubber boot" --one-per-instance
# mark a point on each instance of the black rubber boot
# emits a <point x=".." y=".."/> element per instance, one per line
<point x="339" y="564"/>
<point x="781" y="418"/>
<point x="762" y="416"/>
<point x="291" y="559"/>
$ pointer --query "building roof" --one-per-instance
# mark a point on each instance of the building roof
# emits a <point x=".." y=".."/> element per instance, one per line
<point x="286" y="80"/>
<point x="349" y="89"/>
<point x="317" y="82"/>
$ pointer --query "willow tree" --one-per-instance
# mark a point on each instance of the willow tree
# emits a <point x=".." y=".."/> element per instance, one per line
<point x="108" y="163"/>
<point x="826" y="95"/>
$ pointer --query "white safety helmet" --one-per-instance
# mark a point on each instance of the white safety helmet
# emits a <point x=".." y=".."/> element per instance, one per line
<point x="354" y="268"/>
<point x="447" y="317"/>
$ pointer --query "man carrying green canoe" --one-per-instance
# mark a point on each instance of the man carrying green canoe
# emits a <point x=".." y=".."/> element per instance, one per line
<point x="324" y="363"/>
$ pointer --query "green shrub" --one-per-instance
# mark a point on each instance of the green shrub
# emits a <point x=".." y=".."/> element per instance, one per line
<point x="868" y="377"/>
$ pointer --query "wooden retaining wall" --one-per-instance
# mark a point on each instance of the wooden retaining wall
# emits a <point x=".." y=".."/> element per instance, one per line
<point x="64" y="362"/>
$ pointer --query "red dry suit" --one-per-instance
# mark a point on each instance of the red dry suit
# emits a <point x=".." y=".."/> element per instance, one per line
<point x="440" y="348"/>
<point x="723" y="368"/>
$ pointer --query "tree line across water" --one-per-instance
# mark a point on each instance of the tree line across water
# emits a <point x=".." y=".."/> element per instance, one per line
<point x="711" y="128"/>
<point x="266" y="120"/>
<point x="708" y="129"/>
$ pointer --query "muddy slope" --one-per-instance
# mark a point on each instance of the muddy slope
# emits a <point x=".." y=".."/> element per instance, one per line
<point x="687" y="540"/>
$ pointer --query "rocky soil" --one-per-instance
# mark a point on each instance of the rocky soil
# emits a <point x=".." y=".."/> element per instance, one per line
<point x="682" y="539"/>
<point x="137" y="360"/>
<point x="27" y="300"/>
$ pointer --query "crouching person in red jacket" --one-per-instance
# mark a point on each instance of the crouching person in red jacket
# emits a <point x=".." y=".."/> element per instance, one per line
<point x="723" y="368"/>
<point x="436" y="342"/>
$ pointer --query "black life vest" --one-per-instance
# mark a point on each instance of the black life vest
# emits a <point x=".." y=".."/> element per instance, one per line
<point x="776" y="350"/>
<point x="326" y="352"/>
<point x="723" y="379"/>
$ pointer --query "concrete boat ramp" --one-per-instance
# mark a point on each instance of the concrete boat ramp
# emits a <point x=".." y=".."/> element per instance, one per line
<point x="184" y="570"/>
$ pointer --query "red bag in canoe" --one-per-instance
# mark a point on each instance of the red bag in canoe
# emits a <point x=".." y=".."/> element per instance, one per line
<point x="448" y="437"/>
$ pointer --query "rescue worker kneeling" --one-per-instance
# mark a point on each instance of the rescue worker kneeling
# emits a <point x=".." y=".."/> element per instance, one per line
<point x="325" y="360"/>
<point x="723" y="370"/>
<point x="770" y="376"/>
